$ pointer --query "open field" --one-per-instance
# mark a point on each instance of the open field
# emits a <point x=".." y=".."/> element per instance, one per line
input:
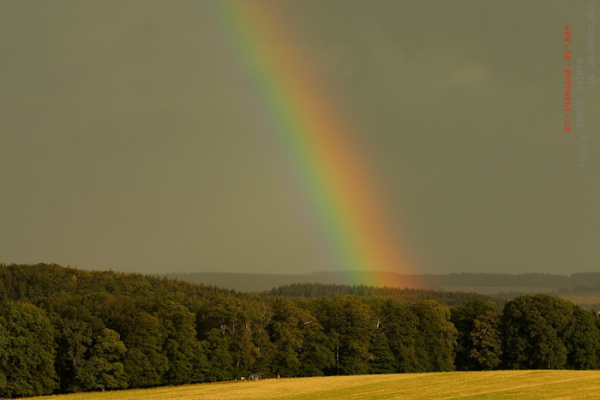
<point x="445" y="385"/>
<point x="591" y="297"/>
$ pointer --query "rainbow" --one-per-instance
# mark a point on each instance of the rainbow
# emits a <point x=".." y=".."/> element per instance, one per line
<point x="326" y="167"/>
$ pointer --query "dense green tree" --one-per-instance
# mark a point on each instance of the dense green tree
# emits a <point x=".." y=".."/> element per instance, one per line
<point x="349" y="324"/>
<point x="261" y="318"/>
<point x="383" y="361"/>
<point x="103" y="367"/>
<point x="244" y="352"/>
<point x="287" y="341"/>
<point x="226" y="313"/>
<point x="582" y="340"/>
<point x="479" y="345"/>
<point x="232" y="317"/>
<point x="27" y="357"/>
<point x="186" y="358"/>
<point x="74" y="338"/>
<point x="436" y="338"/>
<point x="486" y="341"/>
<point x="315" y="356"/>
<point x="90" y="355"/>
<point x="299" y="342"/>
<point x="533" y="329"/>
<point x="4" y="360"/>
<point x="399" y="324"/>
<point x="286" y="335"/>
<point x="244" y="321"/>
<point x="74" y="325"/>
<point x="145" y="362"/>
<point x="142" y="333"/>
<point x="219" y="359"/>
<point x="218" y="324"/>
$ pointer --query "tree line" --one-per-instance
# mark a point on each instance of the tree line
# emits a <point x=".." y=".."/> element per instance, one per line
<point x="256" y="282"/>
<point x="316" y="290"/>
<point x="64" y="330"/>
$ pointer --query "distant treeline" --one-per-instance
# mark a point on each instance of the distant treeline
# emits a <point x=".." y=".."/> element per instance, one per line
<point x="316" y="290"/>
<point x="589" y="280"/>
<point x="65" y="330"/>
<point x="261" y="282"/>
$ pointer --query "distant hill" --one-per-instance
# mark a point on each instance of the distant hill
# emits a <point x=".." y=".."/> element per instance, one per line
<point x="316" y="290"/>
<point x="33" y="282"/>
<point x="243" y="282"/>
<point x="582" y="288"/>
<point x="253" y="282"/>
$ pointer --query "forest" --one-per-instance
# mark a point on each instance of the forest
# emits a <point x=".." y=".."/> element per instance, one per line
<point x="257" y="282"/>
<point x="65" y="330"/>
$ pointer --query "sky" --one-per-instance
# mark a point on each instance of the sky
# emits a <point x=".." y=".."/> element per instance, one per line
<point x="133" y="137"/>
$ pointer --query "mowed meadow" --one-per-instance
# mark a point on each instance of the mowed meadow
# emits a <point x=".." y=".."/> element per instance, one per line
<point x="540" y="384"/>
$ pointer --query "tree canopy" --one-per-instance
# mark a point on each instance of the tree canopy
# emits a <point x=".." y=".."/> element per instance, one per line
<point x="64" y="330"/>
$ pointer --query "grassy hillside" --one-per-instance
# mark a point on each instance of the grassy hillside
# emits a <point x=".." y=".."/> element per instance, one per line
<point x="446" y="385"/>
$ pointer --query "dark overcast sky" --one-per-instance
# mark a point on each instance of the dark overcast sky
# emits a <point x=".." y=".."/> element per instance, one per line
<point x="124" y="143"/>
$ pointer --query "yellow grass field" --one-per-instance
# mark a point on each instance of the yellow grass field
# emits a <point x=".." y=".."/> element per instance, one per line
<point x="536" y="385"/>
<point x="581" y="297"/>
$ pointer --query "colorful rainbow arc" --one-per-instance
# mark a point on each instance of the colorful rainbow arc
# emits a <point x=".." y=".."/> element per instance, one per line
<point x="316" y="143"/>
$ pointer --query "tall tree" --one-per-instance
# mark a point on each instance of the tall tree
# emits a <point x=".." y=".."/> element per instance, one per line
<point x="582" y="340"/>
<point x="298" y="339"/>
<point x="186" y="358"/>
<point x="75" y="327"/>
<point x="4" y="359"/>
<point x="349" y="323"/>
<point x="261" y="319"/>
<point x="533" y="328"/>
<point x="486" y="341"/>
<point x="479" y="345"/>
<point x="244" y="324"/>
<point x="436" y="339"/>
<point x="383" y="361"/>
<point x="27" y="359"/>
<point x="220" y="361"/>
<point x="145" y="362"/>
<point x="103" y="367"/>
<point x="399" y="324"/>
<point x="287" y="338"/>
